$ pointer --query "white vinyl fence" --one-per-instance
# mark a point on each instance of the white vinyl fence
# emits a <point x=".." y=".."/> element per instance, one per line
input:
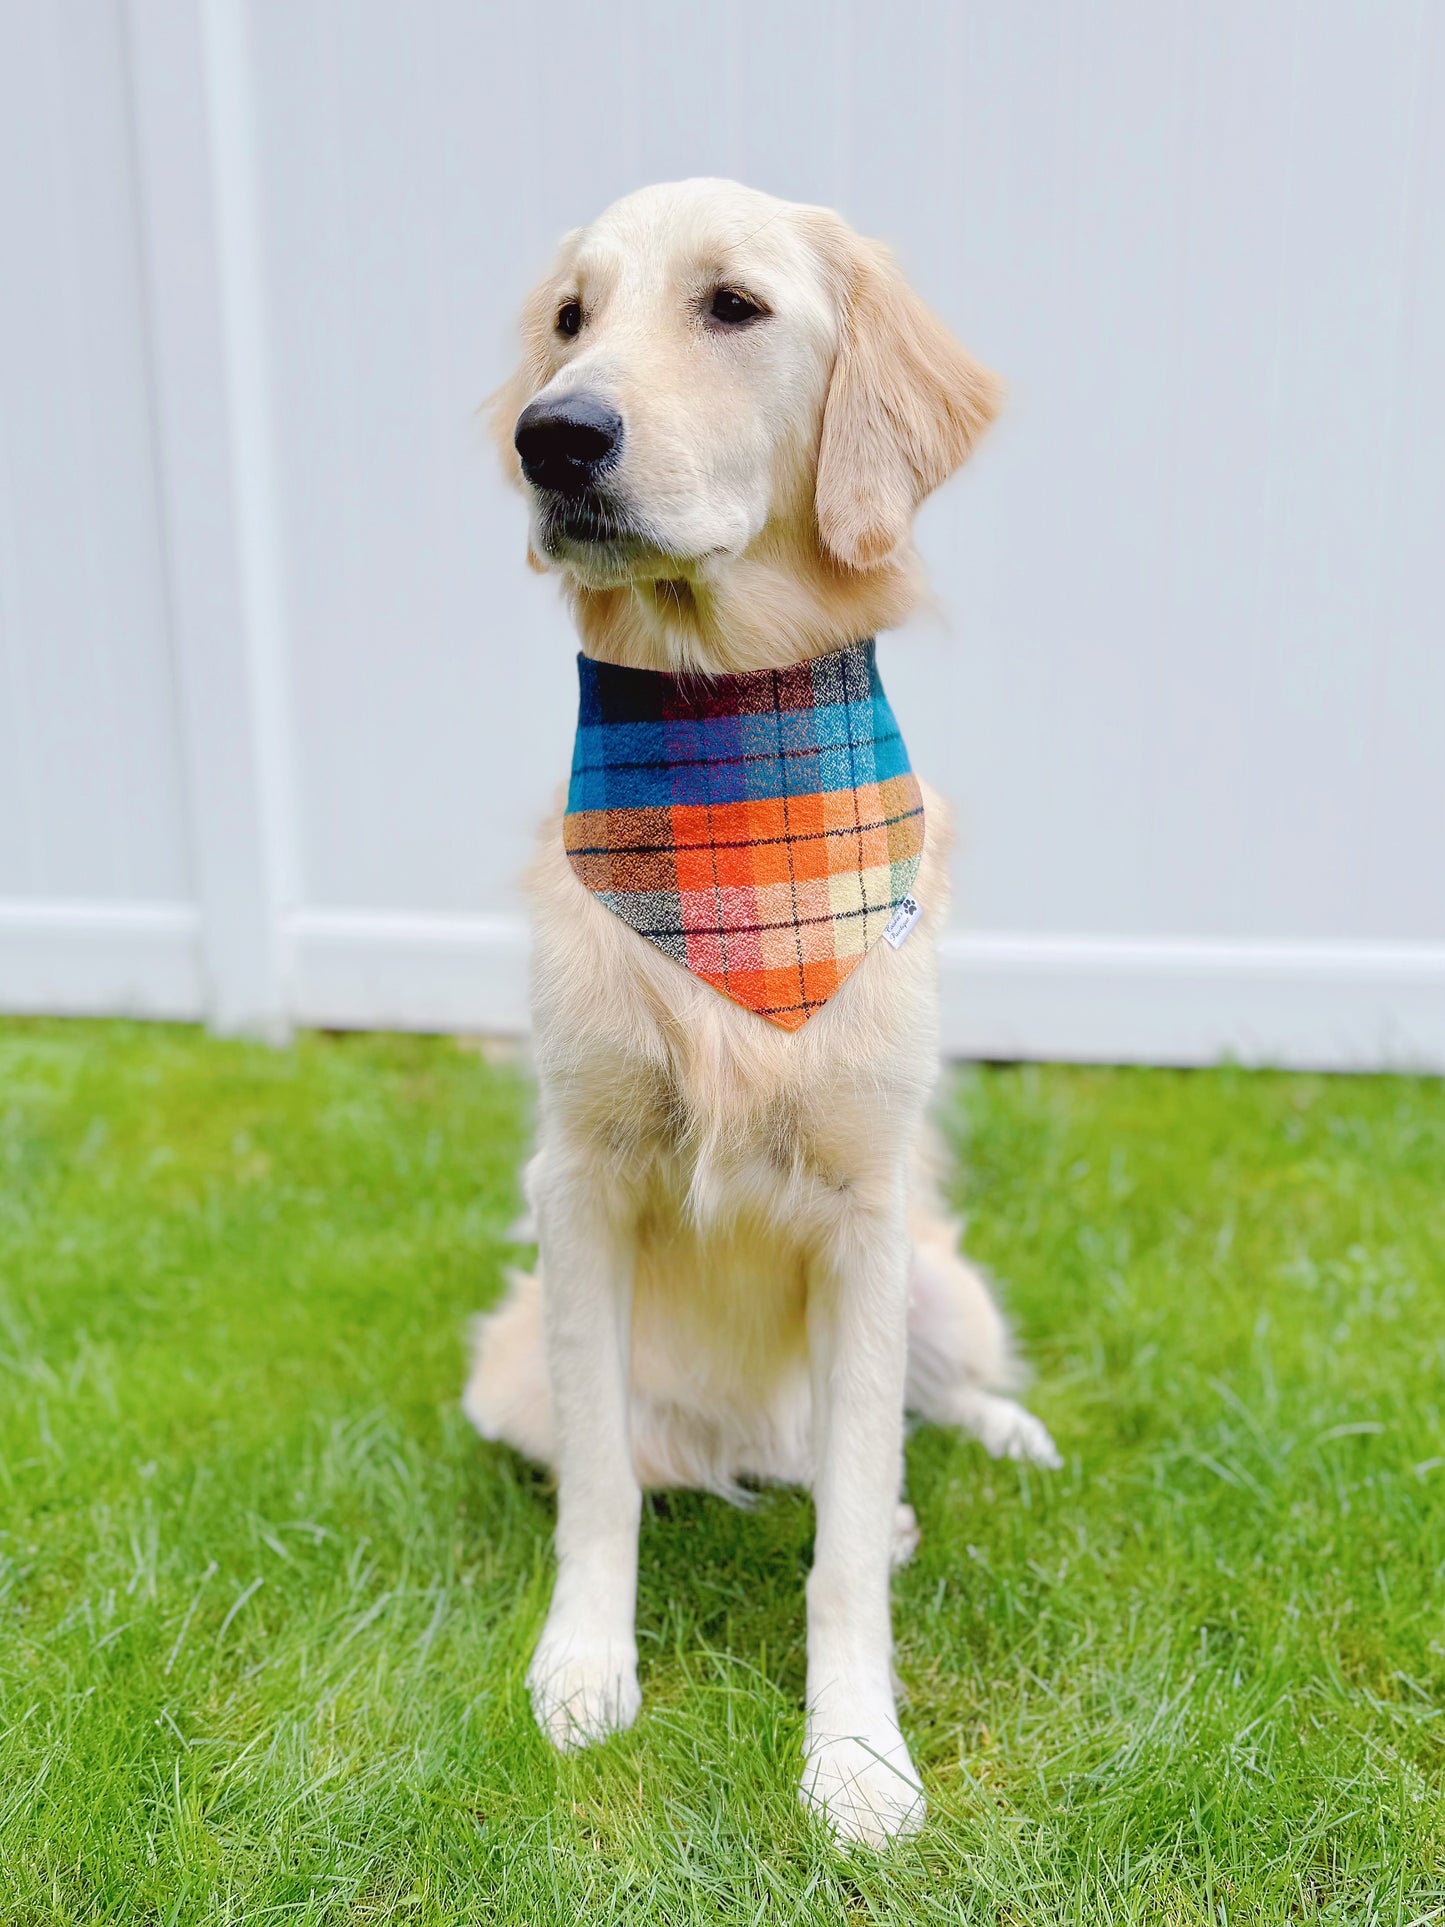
<point x="279" y="702"/>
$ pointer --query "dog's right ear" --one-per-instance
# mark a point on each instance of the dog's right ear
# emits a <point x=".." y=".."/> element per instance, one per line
<point x="504" y="404"/>
<point x="906" y="403"/>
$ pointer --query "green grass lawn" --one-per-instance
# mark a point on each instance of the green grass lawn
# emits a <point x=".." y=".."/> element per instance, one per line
<point x="266" y="1604"/>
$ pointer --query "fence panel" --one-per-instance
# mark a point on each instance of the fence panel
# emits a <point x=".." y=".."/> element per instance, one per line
<point x="282" y="704"/>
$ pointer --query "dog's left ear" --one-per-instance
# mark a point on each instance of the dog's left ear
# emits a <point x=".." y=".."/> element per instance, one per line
<point x="905" y="405"/>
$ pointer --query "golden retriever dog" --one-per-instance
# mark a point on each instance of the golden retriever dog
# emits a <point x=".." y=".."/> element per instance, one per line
<point x="727" y="411"/>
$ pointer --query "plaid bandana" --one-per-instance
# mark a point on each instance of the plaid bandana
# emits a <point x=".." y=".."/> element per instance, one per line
<point x="760" y="829"/>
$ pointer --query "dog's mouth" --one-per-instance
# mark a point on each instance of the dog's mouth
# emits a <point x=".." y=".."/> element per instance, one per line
<point x="588" y="519"/>
<point x="594" y="535"/>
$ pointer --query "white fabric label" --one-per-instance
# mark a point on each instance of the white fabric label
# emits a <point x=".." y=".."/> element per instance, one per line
<point x="902" y="921"/>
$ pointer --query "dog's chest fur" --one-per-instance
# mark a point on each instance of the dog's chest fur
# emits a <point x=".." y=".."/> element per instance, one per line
<point x="692" y="1111"/>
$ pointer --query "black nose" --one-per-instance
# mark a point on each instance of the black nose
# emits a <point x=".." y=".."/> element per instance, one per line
<point x="565" y="444"/>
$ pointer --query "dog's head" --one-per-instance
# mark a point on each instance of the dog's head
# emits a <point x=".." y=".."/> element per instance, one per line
<point x="708" y="369"/>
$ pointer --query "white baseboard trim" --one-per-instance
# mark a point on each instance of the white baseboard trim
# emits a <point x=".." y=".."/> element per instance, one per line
<point x="1162" y="1000"/>
<point x="97" y="959"/>
<point x="377" y="970"/>
<point x="1317" y="1006"/>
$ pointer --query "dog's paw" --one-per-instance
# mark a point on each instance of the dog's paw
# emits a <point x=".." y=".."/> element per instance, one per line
<point x="583" y="1690"/>
<point x="863" y="1785"/>
<point x="906" y="1535"/>
<point x="1017" y="1434"/>
<point x="1006" y="1430"/>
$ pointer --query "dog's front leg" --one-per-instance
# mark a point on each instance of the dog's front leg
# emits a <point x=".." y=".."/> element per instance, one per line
<point x="583" y="1676"/>
<point x="857" y="1768"/>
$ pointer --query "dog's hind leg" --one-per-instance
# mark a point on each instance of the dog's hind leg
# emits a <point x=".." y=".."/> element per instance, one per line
<point x="508" y="1398"/>
<point x="509" y="1394"/>
<point x="960" y="1362"/>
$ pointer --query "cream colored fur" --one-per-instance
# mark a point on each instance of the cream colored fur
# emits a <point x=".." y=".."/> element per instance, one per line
<point x="745" y="1268"/>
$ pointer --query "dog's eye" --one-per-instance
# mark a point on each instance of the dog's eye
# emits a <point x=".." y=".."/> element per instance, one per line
<point x="734" y="308"/>
<point x="569" y="317"/>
